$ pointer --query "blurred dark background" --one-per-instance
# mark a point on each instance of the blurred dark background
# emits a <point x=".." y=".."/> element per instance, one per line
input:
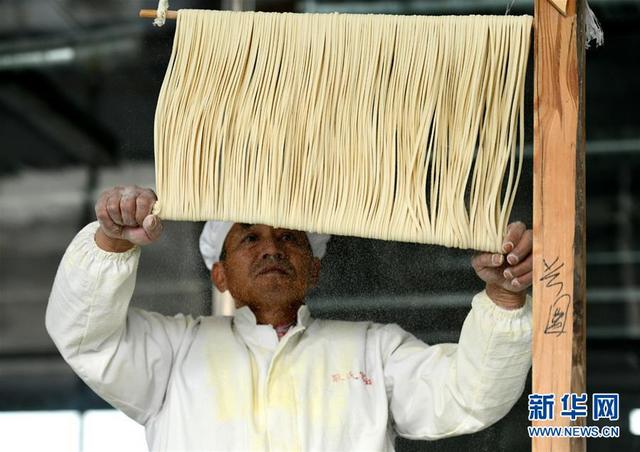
<point x="78" y="86"/>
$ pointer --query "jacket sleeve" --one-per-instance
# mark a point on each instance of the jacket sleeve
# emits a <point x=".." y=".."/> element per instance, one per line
<point x="124" y="355"/>
<point x="453" y="389"/>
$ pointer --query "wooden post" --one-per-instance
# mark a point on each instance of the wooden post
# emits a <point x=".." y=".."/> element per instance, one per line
<point x="559" y="292"/>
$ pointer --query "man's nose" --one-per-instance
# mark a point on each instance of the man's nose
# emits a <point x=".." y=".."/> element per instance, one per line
<point x="271" y="247"/>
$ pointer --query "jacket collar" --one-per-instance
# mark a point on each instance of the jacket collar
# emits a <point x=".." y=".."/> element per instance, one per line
<point x="245" y="321"/>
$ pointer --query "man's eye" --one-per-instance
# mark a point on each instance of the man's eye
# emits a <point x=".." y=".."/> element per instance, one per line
<point x="288" y="237"/>
<point x="250" y="238"/>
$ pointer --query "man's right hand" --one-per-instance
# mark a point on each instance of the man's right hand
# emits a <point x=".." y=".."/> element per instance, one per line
<point x="125" y="218"/>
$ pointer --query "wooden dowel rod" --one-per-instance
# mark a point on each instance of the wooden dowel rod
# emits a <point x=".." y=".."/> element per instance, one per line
<point x="152" y="14"/>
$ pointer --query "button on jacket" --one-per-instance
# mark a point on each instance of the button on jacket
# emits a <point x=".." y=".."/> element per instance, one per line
<point x="211" y="383"/>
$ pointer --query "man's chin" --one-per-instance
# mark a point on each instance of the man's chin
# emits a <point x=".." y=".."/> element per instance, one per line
<point x="276" y="289"/>
<point x="274" y="285"/>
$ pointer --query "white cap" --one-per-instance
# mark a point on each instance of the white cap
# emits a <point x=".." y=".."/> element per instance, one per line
<point x="214" y="233"/>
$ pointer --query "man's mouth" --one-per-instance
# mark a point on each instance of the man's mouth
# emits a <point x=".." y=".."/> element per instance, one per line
<point x="274" y="269"/>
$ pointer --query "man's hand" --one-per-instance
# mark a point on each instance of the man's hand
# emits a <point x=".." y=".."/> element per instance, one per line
<point x="508" y="277"/>
<point x="125" y="218"/>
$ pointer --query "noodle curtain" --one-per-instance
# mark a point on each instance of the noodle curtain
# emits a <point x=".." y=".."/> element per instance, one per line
<point x="404" y="128"/>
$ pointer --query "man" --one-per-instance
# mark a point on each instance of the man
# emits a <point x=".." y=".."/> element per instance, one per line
<point x="272" y="377"/>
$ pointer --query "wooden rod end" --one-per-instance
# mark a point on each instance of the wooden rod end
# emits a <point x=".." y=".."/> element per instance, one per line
<point x="152" y="13"/>
<point x="560" y="5"/>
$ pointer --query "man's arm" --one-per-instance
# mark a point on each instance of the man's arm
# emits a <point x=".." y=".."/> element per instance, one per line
<point x="453" y="389"/>
<point x="123" y="354"/>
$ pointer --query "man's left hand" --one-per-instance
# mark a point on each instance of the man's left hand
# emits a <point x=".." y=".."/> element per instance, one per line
<point x="508" y="275"/>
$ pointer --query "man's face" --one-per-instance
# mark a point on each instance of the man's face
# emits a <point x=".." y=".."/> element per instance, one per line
<point x="266" y="267"/>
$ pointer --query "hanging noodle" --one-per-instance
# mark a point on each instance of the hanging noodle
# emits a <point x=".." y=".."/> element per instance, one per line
<point x="404" y="128"/>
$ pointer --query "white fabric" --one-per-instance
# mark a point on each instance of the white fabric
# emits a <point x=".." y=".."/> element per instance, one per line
<point x="161" y="13"/>
<point x="229" y="384"/>
<point x="214" y="233"/>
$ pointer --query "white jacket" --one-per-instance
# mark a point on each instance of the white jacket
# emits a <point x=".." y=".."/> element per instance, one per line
<point x="228" y="384"/>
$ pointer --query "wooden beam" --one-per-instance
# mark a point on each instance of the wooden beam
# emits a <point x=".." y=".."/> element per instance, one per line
<point x="559" y="354"/>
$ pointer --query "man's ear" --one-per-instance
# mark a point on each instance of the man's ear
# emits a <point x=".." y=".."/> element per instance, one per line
<point x="314" y="276"/>
<point x="219" y="277"/>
